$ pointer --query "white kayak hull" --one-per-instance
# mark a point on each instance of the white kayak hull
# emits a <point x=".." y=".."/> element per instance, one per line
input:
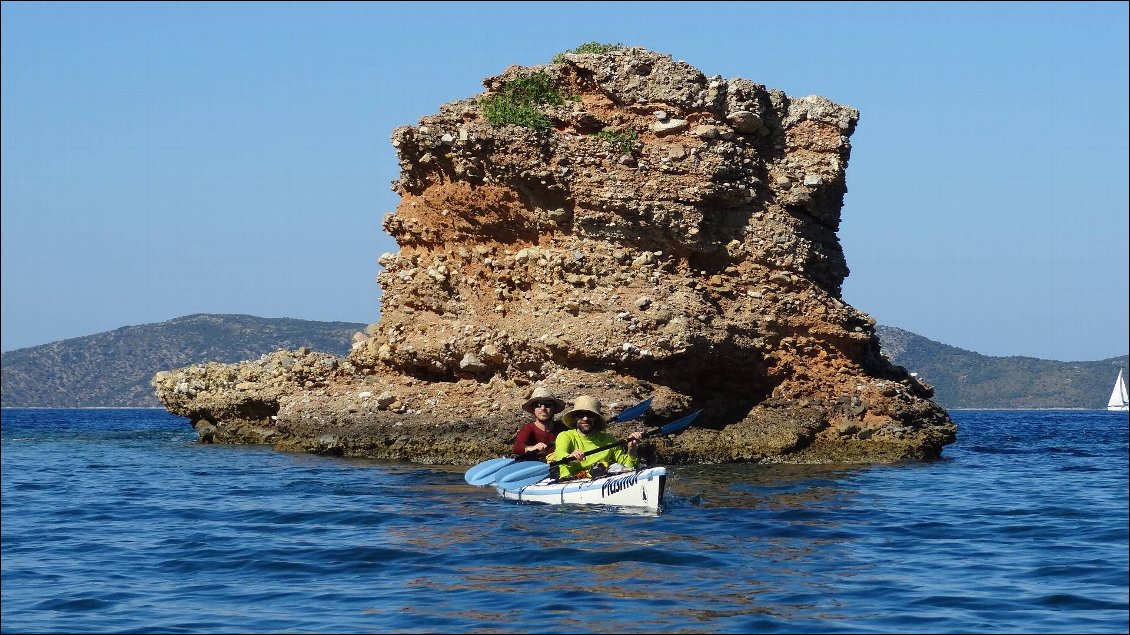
<point x="640" y="488"/>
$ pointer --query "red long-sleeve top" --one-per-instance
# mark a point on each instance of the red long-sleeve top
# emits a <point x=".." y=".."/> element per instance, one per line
<point x="531" y="434"/>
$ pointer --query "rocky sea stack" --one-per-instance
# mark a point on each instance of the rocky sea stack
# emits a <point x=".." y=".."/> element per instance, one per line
<point x="615" y="224"/>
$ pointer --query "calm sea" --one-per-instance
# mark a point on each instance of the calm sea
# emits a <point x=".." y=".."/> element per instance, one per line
<point x="117" y="521"/>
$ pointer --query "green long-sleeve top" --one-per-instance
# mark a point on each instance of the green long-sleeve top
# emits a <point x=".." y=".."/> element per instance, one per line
<point x="572" y="440"/>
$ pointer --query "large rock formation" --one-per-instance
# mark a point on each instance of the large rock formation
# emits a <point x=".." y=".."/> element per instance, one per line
<point x="649" y="231"/>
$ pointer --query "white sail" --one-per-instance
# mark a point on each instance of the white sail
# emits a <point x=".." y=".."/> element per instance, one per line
<point x="1118" y="395"/>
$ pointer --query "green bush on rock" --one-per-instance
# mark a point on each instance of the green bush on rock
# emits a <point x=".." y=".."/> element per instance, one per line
<point x="519" y="102"/>
<point x="588" y="47"/>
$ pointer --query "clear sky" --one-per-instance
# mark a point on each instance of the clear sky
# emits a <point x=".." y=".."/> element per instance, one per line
<point x="163" y="159"/>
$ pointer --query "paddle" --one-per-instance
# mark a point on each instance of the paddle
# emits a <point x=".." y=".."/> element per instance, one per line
<point x="486" y="470"/>
<point x="490" y="470"/>
<point x="530" y="474"/>
<point x="627" y="414"/>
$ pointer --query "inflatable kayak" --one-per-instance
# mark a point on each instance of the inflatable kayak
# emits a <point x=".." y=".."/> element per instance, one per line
<point x="639" y="488"/>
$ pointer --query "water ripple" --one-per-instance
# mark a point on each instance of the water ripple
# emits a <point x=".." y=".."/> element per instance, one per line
<point x="114" y="521"/>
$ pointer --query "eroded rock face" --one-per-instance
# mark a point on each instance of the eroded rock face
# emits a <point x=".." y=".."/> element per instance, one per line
<point x="672" y="235"/>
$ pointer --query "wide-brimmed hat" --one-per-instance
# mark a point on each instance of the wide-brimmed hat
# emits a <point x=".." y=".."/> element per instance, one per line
<point x="541" y="393"/>
<point x="584" y="403"/>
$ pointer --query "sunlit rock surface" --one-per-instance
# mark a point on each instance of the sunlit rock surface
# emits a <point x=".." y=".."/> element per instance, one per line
<point x="670" y="235"/>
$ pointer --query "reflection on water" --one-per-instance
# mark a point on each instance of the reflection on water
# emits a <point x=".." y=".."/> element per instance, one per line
<point x="749" y="486"/>
<point x="699" y="562"/>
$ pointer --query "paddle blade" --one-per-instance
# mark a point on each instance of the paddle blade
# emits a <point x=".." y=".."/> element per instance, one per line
<point x="627" y="414"/>
<point x="676" y="426"/>
<point x="528" y="475"/>
<point x="484" y="473"/>
<point x="519" y="484"/>
<point x="516" y="466"/>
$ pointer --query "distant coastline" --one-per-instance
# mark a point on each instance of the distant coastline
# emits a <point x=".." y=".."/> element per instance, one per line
<point x="81" y="408"/>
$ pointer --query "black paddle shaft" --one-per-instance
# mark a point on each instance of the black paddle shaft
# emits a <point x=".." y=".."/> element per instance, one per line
<point x="632" y="412"/>
<point x="670" y="428"/>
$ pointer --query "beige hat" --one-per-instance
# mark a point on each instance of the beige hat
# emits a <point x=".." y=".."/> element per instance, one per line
<point x="584" y="403"/>
<point x="541" y="393"/>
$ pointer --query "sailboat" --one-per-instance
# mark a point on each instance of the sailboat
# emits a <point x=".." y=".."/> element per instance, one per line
<point x="1117" y="402"/>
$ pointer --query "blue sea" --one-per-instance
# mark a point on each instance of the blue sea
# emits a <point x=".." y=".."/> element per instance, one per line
<point x="118" y="521"/>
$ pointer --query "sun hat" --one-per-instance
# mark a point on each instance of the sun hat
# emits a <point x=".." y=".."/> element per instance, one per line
<point x="541" y="393"/>
<point x="581" y="404"/>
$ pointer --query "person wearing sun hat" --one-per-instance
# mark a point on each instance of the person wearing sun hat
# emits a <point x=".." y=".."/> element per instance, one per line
<point x="585" y="422"/>
<point x="535" y="440"/>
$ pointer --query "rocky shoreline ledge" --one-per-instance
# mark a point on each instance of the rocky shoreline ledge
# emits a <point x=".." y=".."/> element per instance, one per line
<point x="615" y="224"/>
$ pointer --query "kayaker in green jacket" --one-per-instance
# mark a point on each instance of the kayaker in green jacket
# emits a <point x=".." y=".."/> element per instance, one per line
<point x="585" y="424"/>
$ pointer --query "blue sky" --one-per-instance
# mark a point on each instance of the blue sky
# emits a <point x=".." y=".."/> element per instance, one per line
<point x="163" y="159"/>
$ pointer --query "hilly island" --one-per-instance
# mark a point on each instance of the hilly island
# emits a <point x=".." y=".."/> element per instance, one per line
<point x="613" y="223"/>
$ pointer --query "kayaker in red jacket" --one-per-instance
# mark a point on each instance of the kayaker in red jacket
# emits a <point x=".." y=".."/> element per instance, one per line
<point x="536" y="439"/>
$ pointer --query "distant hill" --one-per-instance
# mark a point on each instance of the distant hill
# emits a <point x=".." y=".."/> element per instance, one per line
<point x="113" y="369"/>
<point x="964" y="379"/>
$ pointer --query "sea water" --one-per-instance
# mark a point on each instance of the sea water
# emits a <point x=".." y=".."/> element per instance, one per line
<point x="119" y="521"/>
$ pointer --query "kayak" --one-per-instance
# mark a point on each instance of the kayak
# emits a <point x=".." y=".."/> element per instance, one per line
<point x="639" y="488"/>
